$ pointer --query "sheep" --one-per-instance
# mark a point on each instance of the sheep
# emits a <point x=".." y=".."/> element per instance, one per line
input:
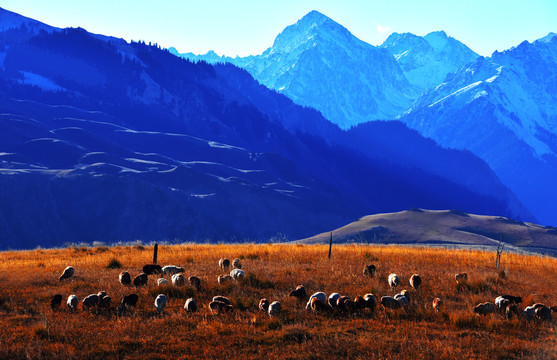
<point x="369" y="270"/>
<point x="151" y="269"/>
<point x="461" y="277"/>
<point x="512" y="299"/>
<point x="105" y="302"/>
<point x="501" y="304"/>
<point x="388" y="302"/>
<point x="299" y="293"/>
<point x="406" y="294"/>
<point x="393" y="281"/>
<point x="223" y="279"/>
<point x="264" y="304"/>
<point x="140" y="280"/>
<point x="333" y="298"/>
<point x="236" y="264"/>
<point x="415" y="281"/>
<point x="237" y="274"/>
<point x="172" y="269"/>
<point x="162" y="281"/>
<point x="195" y="282"/>
<point x="125" y="278"/>
<point x="224" y="264"/>
<point x="319" y="296"/>
<point x="178" y="280"/>
<point x="56" y="301"/>
<point x="190" y="305"/>
<point x="72" y="302"/>
<point x="90" y="301"/>
<point x="219" y="306"/>
<point x="101" y="294"/>
<point x="512" y="309"/>
<point x="529" y="312"/>
<point x="360" y="303"/>
<point x="402" y="300"/>
<point x="543" y="313"/>
<point x="222" y="299"/>
<point x="275" y="308"/>
<point x="345" y="304"/>
<point x="484" y="308"/>
<point x="127" y="302"/>
<point x="160" y="303"/>
<point x="68" y="273"/>
<point x="371" y="301"/>
<point x="437" y="304"/>
<point x="317" y="305"/>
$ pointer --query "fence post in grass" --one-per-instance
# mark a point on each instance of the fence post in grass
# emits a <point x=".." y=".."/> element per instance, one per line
<point x="155" y="253"/>
<point x="499" y="251"/>
<point x="330" y="245"/>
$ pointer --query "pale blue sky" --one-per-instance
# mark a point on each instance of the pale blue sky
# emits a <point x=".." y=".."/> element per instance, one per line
<point x="247" y="27"/>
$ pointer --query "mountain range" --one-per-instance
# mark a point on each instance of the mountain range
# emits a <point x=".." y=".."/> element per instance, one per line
<point x="105" y="140"/>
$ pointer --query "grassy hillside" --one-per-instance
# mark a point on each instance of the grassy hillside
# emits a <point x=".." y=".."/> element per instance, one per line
<point x="30" y="329"/>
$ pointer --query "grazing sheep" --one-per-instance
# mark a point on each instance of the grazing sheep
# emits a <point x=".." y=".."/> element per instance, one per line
<point x="236" y="264"/>
<point x="172" y="269"/>
<point x="264" y="304"/>
<point x="512" y="299"/>
<point x="415" y="281"/>
<point x="90" y="301"/>
<point x="105" y="302"/>
<point x="369" y="270"/>
<point x="484" y="308"/>
<point x="101" y="294"/>
<point x="389" y="302"/>
<point x="319" y="296"/>
<point x="162" y="281"/>
<point x="160" y="302"/>
<point x="402" y="300"/>
<point x="151" y="269"/>
<point x="360" y="303"/>
<point x="275" y="308"/>
<point x="299" y="293"/>
<point x="222" y="299"/>
<point x="224" y="264"/>
<point x="140" y="280"/>
<point x="195" y="282"/>
<point x="317" y="305"/>
<point x="501" y="304"/>
<point x="219" y="306"/>
<point x="345" y="304"/>
<point x="68" y="273"/>
<point x="393" y="281"/>
<point x="237" y="274"/>
<point x="333" y="298"/>
<point x="406" y="294"/>
<point x="512" y="309"/>
<point x="553" y="308"/>
<point x="127" y="302"/>
<point x="125" y="278"/>
<point x="178" y="280"/>
<point x="529" y="313"/>
<point x="461" y="277"/>
<point x="72" y="302"/>
<point x="371" y="301"/>
<point x="223" y="279"/>
<point x="437" y="304"/>
<point x="543" y="313"/>
<point x="190" y="305"/>
<point x="56" y="301"/>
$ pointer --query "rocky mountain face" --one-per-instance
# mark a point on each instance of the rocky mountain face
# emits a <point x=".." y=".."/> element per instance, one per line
<point x="503" y="109"/>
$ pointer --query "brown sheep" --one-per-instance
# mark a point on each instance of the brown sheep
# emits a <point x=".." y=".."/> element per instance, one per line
<point x="56" y="301"/>
<point x="224" y="264"/>
<point x="345" y="304"/>
<point x="360" y="303"/>
<point x="369" y="270"/>
<point x="543" y="313"/>
<point x="484" y="308"/>
<point x="512" y="309"/>
<point x="125" y="278"/>
<point x="218" y="307"/>
<point x="140" y="280"/>
<point x="415" y="281"/>
<point x="461" y="277"/>
<point x="371" y="301"/>
<point x="264" y="304"/>
<point x="151" y="269"/>
<point x="195" y="282"/>
<point x="223" y="279"/>
<point x="318" y="305"/>
<point x="389" y="302"/>
<point x="236" y="264"/>
<point x="437" y="304"/>
<point x="299" y="293"/>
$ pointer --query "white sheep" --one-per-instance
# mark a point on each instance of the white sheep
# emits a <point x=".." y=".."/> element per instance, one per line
<point x="125" y="278"/>
<point x="319" y="296"/>
<point x="160" y="302"/>
<point x="224" y="263"/>
<point x="190" y="305"/>
<point x="72" y="302"/>
<point x="403" y="300"/>
<point x="162" y="281"/>
<point x="172" y="269"/>
<point x="333" y="298"/>
<point x="68" y="273"/>
<point x="275" y="308"/>
<point x="178" y="280"/>
<point x="393" y="281"/>
<point x="237" y="274"/>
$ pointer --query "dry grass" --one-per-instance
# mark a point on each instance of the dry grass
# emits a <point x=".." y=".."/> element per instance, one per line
<point x="30" y="329"/>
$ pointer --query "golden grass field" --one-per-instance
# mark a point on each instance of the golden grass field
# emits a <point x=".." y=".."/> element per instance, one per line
<point x="31" y="330"/>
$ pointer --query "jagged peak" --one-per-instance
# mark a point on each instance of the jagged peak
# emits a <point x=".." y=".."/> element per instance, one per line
<point x="547" y="38"/>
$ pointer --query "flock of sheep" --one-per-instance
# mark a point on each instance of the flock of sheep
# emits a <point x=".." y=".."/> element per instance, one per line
<point x="504" y="304"/>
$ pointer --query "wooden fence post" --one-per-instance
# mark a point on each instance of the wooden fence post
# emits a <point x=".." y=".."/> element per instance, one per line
<point x="330" y="245"/>
<point x="155" y="253"/>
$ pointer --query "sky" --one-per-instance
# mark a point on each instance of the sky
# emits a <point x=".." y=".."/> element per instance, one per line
<point x="248" y="27"/>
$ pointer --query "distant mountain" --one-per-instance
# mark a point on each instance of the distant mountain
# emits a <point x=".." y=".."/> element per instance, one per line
<point x="319" y="63"/>
<point x="104" y="140"/>
<point x="444" y="228"/>
<point x="504" y="110"/>
<point x="427" y="60"/>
